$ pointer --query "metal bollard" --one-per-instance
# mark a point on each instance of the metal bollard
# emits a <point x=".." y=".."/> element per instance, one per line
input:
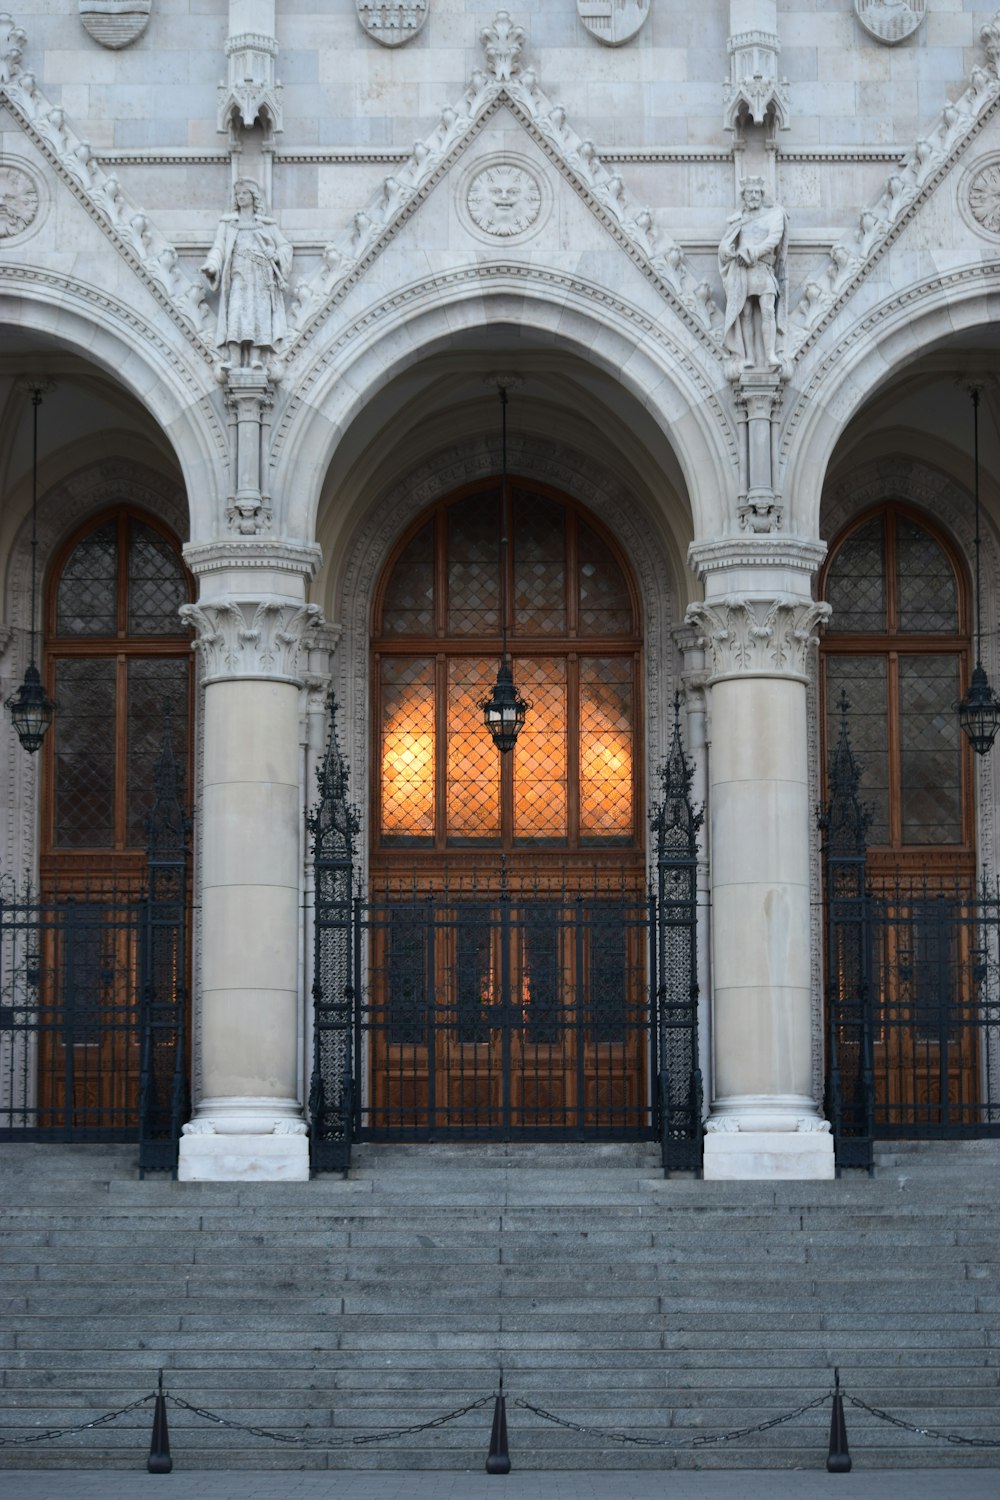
<point x="159" y="1460"/>
<point x="838" y="1459"/>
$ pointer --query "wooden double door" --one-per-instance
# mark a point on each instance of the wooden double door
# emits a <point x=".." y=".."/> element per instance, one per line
<point x="507" y="1014"/>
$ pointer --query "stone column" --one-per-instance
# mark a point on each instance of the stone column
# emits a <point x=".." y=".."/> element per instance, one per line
<point x="251" y="620"/>
<point x="764" y="1122"/>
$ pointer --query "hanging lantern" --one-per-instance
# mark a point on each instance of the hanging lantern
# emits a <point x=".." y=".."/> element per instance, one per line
<point x="979" y="710"/>
<point x="30" y="710"/>
<point x="504" y="710"/>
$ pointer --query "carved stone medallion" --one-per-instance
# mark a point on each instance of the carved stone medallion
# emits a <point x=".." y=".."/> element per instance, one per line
<point x="115" y="23"/>
<point x="983" y="197"/>
<point x="613" y="21"/>
<point x="504" y="199"/>
<point x="18" y="201"/>
<point x="392" y="25"/>
<point x="890" y="21"/>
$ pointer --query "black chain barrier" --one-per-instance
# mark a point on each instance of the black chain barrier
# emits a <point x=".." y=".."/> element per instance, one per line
<point x="701" y="1441"/>
<point x="57" y="1432"/>
<point x="360" y="1441"/>
<point x="927" y="1432"/>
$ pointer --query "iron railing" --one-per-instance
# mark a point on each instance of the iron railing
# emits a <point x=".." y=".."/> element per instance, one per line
<point x="913" y="991"/>
<point x="93" y="999"/>
<point x="481" y="1005"/>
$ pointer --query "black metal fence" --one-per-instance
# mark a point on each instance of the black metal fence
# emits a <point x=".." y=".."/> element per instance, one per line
<point x="913" y="992"/>
<point x="477" y="1006"/>
<point x="93" y="1000"/>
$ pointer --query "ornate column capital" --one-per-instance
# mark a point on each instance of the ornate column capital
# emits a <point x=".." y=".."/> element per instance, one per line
<point x="250" y="638"/>
<point x="749" y="636"/>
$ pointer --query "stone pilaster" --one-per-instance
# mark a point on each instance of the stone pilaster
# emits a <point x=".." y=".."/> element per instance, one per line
<point x="252" y="622"/>
<point x="764" y="1121"/>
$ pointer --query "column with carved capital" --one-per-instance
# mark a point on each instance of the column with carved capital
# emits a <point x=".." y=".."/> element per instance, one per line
<point x="252" y="620"/>
<point x="759" y="624"/>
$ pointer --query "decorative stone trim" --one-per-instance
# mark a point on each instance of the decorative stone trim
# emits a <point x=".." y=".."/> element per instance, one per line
<point x="906" y="190"/>
<point x="252" y="92"/>
<point x="754" y="88"/>
<point x="250" y="638"/>
<point x="148" y="252"/>
<point x="22" y="201"/>
<point x="797" y="554"/>
<point x="301" y="559"/>
<point x="759" y="637"/>
<point x="348" y="258"/>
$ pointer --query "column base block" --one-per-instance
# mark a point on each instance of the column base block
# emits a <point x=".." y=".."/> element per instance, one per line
<point x="243" y="1158"/>
<point x="768" y="1155"/>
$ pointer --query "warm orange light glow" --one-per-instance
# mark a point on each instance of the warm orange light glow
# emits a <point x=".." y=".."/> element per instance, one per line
<point x="408" y="748"/>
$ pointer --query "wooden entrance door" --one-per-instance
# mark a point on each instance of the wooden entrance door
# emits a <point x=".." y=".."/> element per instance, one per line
<point x="117" y="662"/>
<point x="499" y="1005"/>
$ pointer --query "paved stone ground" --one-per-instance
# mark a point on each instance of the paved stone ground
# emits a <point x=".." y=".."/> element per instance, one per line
<point x="671" y="1484"/>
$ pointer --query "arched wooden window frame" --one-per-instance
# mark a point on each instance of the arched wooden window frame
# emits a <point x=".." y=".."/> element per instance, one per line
<point x="120" y="859"/>
<point x="944" y="859"/>
<point x="443" y="647"/>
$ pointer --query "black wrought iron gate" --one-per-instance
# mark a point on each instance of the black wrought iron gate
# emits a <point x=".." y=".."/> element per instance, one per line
<point x="93" y="998"/>
<point x="913" y="992"/>
<point x="488" y="1007"/>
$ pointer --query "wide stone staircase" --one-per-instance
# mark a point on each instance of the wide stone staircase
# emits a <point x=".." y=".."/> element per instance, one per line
<point x="335" y="1311"/>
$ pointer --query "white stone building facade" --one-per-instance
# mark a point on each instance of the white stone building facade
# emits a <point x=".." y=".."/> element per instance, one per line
<point x="448" y="193"/>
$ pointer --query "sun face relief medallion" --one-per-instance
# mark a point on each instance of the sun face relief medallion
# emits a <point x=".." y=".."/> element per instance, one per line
<point x="984" y="198"/>
<point x="504" y="200"/>
<point x="613" y="21"/>
<point x="890" y="21"/>
<point x="18" y="201"/>
<point x="392" y="25"/>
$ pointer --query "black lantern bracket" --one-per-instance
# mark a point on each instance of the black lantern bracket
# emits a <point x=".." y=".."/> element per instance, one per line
<point x="979" y="710"/>
<point x="30" y="709"/>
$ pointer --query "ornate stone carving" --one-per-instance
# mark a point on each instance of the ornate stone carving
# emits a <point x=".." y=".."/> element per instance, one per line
<point x="12" y="43"/>
<point x="250" y="638"/>
<point x="392" y="25"/>
<point x="983" y="198"/>
<point x="18" y="201"/>
<point x="758" y="400"/>
<point x="613" y="22"/>
<point x="249" y="264"/>
<point x="503" y="42"/>
<point x="752" y="258"/>
<point x="766" y="637"/>
<point x="115" y="23"/>
<point x="252" y="92"/>
<point x="504" y="199"/>
<point x="890" y="21"/>
<point x="249" y="396"/>
<point x="990" y="38"/>
<point x="754" y="90"/>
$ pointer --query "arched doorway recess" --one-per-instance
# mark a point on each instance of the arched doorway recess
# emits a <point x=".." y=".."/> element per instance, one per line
<point x="898" y="649"/>
<point x="509" y="998"/>
<point x="118" y="665"/>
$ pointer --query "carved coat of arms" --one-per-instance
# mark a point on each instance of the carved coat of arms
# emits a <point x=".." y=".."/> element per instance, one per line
<point x="890" y="21"/>
<point x="392" y="25"/>
<point x="115" y="23"/>
<point x="613" y="21"/>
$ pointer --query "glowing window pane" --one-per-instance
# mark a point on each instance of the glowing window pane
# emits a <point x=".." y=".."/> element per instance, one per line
<point x="408" y="747"/>
<point x="473" y="566"/>
<point x="606" y="747"/>
<point x="539" y="550"/>
<point x="605" y="606"/>
<point x="540" y="802"/>
<point x="408" y="608"/>
<point x="473" y="763"/>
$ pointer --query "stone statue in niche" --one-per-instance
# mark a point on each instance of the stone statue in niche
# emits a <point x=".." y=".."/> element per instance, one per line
<point x="249" y="265"/>
<point x="752" y="259"/>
